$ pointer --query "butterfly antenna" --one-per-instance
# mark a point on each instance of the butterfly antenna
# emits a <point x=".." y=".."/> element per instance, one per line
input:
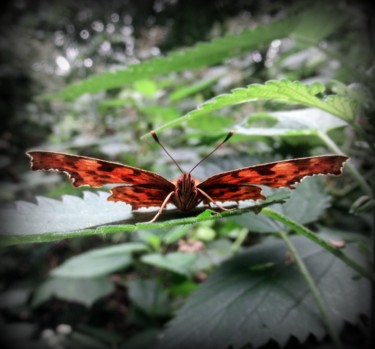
<point x="229" y="135"/>
<point x="153" y="134"/>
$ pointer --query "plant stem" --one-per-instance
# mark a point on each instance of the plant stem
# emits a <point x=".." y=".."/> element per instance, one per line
<point x="313" y="289"/>
<point x="240" y="239"/>
<point x="302" y="230"/>
<point x="353" y="171"/>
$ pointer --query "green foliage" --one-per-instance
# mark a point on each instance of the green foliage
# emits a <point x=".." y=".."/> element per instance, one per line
<point x="291" y="124"/>
<point x="24" y="227"/>
<point x="224" y="278"/>
<point x="85" y="291"/>
<point x="283" y="91"/>
<point x="202" y="55"/>
<point x="98" y="262"/>
<point x="149" y="296"/>
<point x="305" y="205"/>
<point x="177" y="262"/>
<point x="259" y="295"/>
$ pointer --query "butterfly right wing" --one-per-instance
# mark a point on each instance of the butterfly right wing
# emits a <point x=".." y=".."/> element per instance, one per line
<point x="228" y="192"/>
<point x="241" y="184"/>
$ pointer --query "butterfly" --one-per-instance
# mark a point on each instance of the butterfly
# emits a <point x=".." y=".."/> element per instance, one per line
<point x="141" y="188"/>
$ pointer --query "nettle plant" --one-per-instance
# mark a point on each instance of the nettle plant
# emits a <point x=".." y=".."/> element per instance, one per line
<point x="302" y="277"/>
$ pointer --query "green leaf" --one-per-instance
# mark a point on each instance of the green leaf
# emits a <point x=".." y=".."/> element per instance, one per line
<point x="290" y="123"/>
<point x="157" y="113"/>
<point x="259" y="295"/>
<point x="201" y="55"/>
<point x="305" y="205"/>
<point x="142" y="340"/>
<point x="186" y="91"/>
<point x="146" y="87"/>
<point x="69" y="214"/>
<point x="211" y="124"/>
<point x="177" y="262"/>
<point x="212" y="255"/>
<point x="283" y="91"/>
<point x="321" y="20"/>
<point x="85" y="291"/>
<point x="149" y="296"/>
<point x="98" y="262"/>
<point x="175" y="234"/>
<point x="100" y="336"/>
<point x="77" y="339"/>
<point x="52" y="220"/>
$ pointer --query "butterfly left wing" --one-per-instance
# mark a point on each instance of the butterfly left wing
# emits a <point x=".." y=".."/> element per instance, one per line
<point x="144" y="188"/>
<point x="139" y="196"/>
<point x="84" y="170"/>
<point x="231" y="185"/>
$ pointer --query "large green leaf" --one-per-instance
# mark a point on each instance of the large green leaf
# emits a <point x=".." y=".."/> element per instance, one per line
<point x="85" y="291"/>
<point x="308" y="27"/>
<point x="201" y="55"/>
<point x="50" y="220"/>
<point x="98" y="262"/>
<point x="259" y="295"/>
<point x="71" y="213"/>
<point x="282" y="91"/>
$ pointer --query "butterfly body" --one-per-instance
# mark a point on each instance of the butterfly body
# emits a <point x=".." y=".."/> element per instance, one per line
<point x="140" y="188"/>
<point x="186" y="196"/>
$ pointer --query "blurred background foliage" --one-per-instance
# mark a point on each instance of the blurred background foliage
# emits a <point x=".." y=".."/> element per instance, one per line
<point x="73" y="294"/>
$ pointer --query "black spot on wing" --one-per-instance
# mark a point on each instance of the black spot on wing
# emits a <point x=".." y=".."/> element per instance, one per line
<point x="107" y="167"/>
<point x="137" y="172"/>
<point x="127" y="179"/>
<point x="265" y="170"/>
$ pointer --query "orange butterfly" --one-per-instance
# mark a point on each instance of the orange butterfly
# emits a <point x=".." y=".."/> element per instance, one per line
<point x="143" y="188"/>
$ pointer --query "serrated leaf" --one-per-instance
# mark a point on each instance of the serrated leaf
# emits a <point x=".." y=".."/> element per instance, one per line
<point x="85" y="291"/>
<point x="201" y="55"/>
<point x="257" y="296"/>
<point x="305" y="205"/>
<point x="30" y="222"/>
<point x="69" y="214"/>
<point x="98" y="262"/>
<point x="283" y="91"/>
<point x="149" y="296"/>
<point x="177" y="262"/>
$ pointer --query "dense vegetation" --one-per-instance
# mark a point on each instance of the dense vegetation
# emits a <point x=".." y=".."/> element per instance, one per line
<point x="291" y="80"/>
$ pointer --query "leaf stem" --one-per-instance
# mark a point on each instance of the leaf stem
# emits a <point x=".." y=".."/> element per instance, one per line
<point x="239" y="240"/>
<point x="302" y="230"/>
<point x="313" y="289"/>
<point x="353" y="171"/>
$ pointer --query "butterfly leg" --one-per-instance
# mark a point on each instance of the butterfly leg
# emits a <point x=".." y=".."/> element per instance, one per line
<point x="165" y="202"/>
<point x="210" y="199"/>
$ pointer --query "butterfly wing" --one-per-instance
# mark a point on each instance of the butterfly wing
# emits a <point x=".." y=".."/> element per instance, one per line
<point x="139" y="196"/>
<point x="229" y="192"/>
<point x="229" y="185"/>
<point x="141" y="184"/>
